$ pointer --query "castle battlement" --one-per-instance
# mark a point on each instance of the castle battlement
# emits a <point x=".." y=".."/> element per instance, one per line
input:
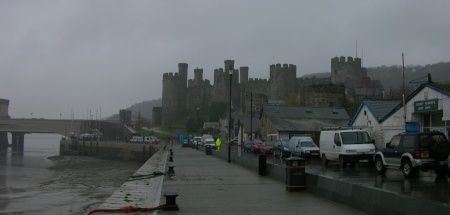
<point x="221" y="73"/>
<point x="254" y="80"/>
<point x="171" y="75"/>
<point x="285" y="66"/>
<point x="342" y="60"/>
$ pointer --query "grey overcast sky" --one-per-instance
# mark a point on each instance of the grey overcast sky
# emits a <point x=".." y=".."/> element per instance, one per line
<point x="62" y="56"/>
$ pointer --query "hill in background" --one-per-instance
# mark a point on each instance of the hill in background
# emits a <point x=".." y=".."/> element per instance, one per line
<point x="391" y="77"/>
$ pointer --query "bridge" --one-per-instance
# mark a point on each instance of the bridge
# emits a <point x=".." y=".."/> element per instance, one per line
<point x="19" y="127"/>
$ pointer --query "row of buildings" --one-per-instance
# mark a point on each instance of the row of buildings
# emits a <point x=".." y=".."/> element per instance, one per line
<point x="425" y="109"/>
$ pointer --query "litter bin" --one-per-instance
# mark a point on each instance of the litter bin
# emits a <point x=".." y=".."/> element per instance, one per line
<point x="208" y="150"/>
<point x="295" y="174"/>
<point x="262" y="165"/>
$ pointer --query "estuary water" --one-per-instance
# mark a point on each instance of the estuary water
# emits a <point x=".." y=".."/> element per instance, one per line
<point x="39" y="181"/>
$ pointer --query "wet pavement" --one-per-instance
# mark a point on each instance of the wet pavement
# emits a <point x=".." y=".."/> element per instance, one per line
<point x="426" y="186"/>
<point x="207" y="184"/>
<point x="362" y="188"/>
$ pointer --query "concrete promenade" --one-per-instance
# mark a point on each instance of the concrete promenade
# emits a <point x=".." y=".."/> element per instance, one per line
<point x="207" y="184"/>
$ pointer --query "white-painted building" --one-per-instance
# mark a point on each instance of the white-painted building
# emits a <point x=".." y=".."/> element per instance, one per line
<point x="427" y="109"/>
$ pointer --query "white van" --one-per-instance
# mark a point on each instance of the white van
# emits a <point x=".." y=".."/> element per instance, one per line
<point x="303" y="147"/>
<point x="346" y="146"/>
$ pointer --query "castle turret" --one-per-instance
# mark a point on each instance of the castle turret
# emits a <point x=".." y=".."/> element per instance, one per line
<point x="243" y="72"/>
<point x="229" y="65"/>
<point x="183" y="71"/>
<point x="198" y="76"/>
<point x="283" y="80"/>
<point x="174" y="94"/>
<point x="342" y="70"/>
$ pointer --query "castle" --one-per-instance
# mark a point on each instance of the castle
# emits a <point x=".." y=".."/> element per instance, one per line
<point x="181" y="96"/>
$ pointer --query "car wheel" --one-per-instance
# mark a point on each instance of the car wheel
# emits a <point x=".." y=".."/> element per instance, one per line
<point x="407" y="169"/>
<point x="440" y="171"/>
<point x="342" y="161"/>
<point x="324" y="160"/>
<point x="379" y="166"/>
<point x="441" y="151"/>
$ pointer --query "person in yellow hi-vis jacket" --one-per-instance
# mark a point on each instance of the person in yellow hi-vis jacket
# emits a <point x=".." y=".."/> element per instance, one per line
<point x="218" y="143"/>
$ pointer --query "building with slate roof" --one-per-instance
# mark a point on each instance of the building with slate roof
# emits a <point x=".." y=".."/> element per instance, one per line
<point x="427" y="109"/>
<point x="287" y="121"/>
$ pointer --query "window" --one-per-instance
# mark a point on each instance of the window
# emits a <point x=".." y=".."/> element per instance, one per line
<point x="394" y="142"/>
<point x="356" y="137"/>
<point x="336" y="139"/>
<point x="408" y="141"/>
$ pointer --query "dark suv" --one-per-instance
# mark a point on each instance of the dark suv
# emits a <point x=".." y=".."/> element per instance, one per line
<point x="413" y="151"/>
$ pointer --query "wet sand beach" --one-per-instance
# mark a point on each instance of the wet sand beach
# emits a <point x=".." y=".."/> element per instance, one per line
<point x="42" y="182"/>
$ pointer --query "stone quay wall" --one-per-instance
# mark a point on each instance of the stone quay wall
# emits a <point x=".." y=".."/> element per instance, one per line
<point x="109" y="150"/>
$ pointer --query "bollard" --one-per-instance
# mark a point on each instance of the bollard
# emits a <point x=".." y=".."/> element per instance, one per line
<point x="171" y="158"/>
<point x="262" y="165"/>
<point x="171" y="201"/>
<point x="171" y="171"/>
<point x="208" y="150"/>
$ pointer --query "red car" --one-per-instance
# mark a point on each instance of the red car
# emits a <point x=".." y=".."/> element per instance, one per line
<point x="266" y="148"/>
<point x="255" y="147"/>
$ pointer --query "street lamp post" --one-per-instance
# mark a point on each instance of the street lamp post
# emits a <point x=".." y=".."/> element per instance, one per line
<point x="198" y="122"/>
<point x="229" y="122"/>
<point x="187" y="129"/>
<point x="251" y="116"/>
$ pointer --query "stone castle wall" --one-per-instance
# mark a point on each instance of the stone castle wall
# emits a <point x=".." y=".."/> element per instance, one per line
<point x="181" y="96"/>
<point x="174" y="94"/>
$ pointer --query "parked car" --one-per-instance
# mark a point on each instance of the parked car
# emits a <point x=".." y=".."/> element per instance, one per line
<point x="303" y="147"/>
<point x="247" y="145"/>
<point x="257" y="143"/>
<point x="411" y="152"/>
<point x="197" y="140"/>
<point x="209" y="142"/>
<point x="281" y="148"/>
<point x="346" y="146"/>
<point x="204" y="137"/>
<point x="266" y="148"/>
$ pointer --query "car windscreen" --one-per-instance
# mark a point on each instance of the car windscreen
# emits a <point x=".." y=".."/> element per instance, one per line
<point x="356" y="137"/>
<point x="307" y="144"/>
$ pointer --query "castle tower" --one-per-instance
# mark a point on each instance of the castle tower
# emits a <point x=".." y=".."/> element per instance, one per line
<point x="198" y="76"/>
<point x="229" y="65"/>
<point x="283" y="81"/>
<point x="342" y="70"/>
<point x="183" y="71"/>
<point x="174" y="95"/>
<point x="243" y="72"/>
